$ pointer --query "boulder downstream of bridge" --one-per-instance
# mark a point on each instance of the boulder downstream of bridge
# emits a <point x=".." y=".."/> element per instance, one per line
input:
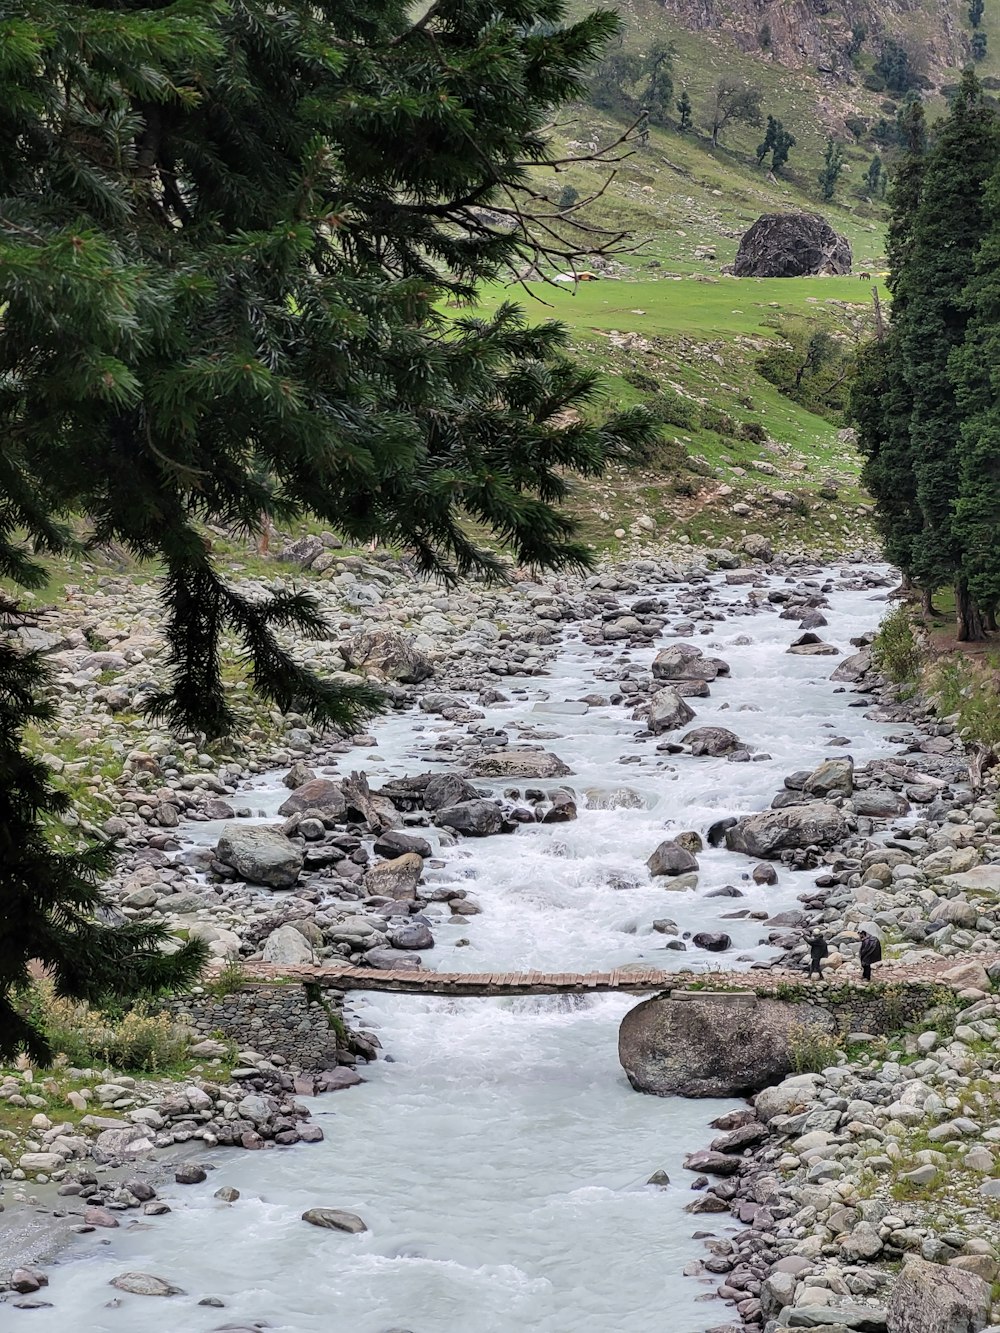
<point x="724" y="1044"/>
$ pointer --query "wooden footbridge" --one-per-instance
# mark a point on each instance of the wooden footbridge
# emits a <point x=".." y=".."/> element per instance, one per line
<point x="633" y="979"/>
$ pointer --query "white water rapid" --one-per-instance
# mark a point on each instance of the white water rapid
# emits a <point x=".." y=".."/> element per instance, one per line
<point x="499" y="1157"/>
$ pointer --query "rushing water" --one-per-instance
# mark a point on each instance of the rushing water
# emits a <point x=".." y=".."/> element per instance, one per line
<point x="499" y="1157"/>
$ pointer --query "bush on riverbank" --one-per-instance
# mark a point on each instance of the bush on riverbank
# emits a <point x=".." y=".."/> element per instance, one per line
<point x="894" y="650"/>
<point x="133" y="1040"/>
<point x="967" y="689"/>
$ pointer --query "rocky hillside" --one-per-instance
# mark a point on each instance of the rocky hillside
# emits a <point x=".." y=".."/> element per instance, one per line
<point x="819" y="34"/>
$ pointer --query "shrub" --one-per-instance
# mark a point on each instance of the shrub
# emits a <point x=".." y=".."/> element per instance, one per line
<point x="640" y="380"/>
<point x="712" y="418"/>
<point x="232" y="977"/>
<point x="136" y="1040"/>
<point x="673" y="409"/>
<point x="812" y="1050"/>
<point x="895" y="651"/>
<point x="967" y="689"/>
<point x="754" y="431"/>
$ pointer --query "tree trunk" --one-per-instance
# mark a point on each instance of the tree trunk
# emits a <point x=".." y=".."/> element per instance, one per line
<point x="991" y="620"/>
<point x="970" y="620"/>
<point x="927" y="607"/>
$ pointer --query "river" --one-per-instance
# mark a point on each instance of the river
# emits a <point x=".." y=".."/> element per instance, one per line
<point x="499" y="1157"/>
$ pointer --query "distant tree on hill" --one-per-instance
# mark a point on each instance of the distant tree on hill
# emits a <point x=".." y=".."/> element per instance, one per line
<point x="859" y="35"/>
<point x="778" y="142"/>
<point x="833" y="165"/>
<point x="978" y="45"/>
<point x="734" y="101"/>
<point x="895" y="66"/>
<point x="685" y="109"/>
<point x="875" y="177"/>
<point x="657" y="93"/>
<point x="976" y="8"/>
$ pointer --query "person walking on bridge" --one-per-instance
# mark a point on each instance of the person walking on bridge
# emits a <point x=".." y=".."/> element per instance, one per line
<point x="871" y="952"/>
<point x="818" y="950"/>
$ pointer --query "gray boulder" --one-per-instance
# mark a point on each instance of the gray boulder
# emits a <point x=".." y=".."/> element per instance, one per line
<point x="715" y="741"/>
<point x="287" y="947"/>
<point x="792" y="245"/>
<point x="392" y="960"/>
<point x="145" y="1284"/>
<point x="476" y="819"/>
<point x="877" y="803"/>
<point x="446" y="789"/>
<point x="683" y="661"/>
<point x="854" y="667"/>
<point x="334" y="1219"/>
<point x="768" y="834"/>
<point x="316" y="794"/>
<point x="670" y="858"/>
<point x="933" y="1298"/>
<point x="834" y="777"/>
<point x="260" y="853"/>
<point x="668" y="711"/>
<point x="704" y="1046"/>
<point x="386" y="655"/>
<point x="397" y="878"/>
<point x="519" y="764"/>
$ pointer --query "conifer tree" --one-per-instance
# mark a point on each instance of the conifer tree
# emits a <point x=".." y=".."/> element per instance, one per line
<point x="977" y="508"/>
<point x="685" y="109"/>
<point x="947" y="228"/>
<point x="224" y="232"/>
<point x="881" y="400"/>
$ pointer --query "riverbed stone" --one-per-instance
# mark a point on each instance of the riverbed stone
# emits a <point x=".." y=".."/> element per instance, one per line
<point x="287" y="947"/>
<point x="519" y="764"/>
<point x="705" y="1047"/>
<point x="683" y="661"/>
<point x="318" y="794"/>
<point x="260" y="853"/>
<point x="668" y="711"/>
<point x="670" y="858"/>
<point x="476" y="819"/>
<point x="145" y="1284"/>
<point x="397" y="878"/>
<point x="771" y="832"/>
<point x="934" y="1298"/>
<point x="334" y="1219"/>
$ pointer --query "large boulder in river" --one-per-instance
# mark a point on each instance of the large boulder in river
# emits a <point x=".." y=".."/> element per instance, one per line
<point x="792" y="245"/>
<point x="670" y="858"/>
<point x="712" y="740"/>
<point x="683" y="661"/>
<point x="386" y="655"/>
<point x="519" y="764"/>
<point x="476" y="819"/>
<point x="446" y="789"/>
<point x="260" y="853"/>
<point x="316" y="794"/>
<point x="833" y="777"/>
<point x="767" y="835"/>
<point x="668" y="711"/>
<point x="712" y="1046"/>
<point x="935" y="1298"/>
<point x="397" y="878"/>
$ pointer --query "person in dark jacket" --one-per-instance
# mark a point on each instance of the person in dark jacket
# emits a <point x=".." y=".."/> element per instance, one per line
<point x="871" y="952"/>
<point x="818" y="950"/>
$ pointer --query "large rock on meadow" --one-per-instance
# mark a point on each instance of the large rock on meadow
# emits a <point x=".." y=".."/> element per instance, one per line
<point x="668" y="711"/>
<point x="683" y="661"/>
<point x="792" y="245"/>
<point x="386" y="655"/>
<point x="935" y="1298"/>
<point x="260" y="854"/>
<point x="316" y="794"/>
<point x="519" y="764"/>
<point x="768" y="834"/>
<point x="730" y="1046"/>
